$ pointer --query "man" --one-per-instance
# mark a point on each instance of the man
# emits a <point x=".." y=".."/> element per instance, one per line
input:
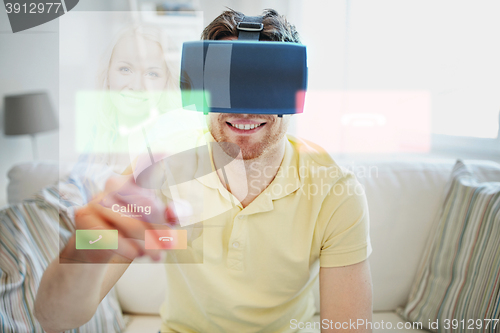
<point x="293" y="213"/>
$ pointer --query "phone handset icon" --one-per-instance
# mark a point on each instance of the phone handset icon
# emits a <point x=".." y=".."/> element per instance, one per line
<point x="92" y="242"/>
<point x="166" y="239"/>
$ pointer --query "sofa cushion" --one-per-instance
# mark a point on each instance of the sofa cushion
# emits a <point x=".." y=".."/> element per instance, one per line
<point x="31" y="235"/>
<point x="142" y="288"/>
<point x="460" y="273"/>
<point x="404" y="199"/>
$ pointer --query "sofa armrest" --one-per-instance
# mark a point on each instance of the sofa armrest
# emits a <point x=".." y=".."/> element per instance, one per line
<point x="26" y="179"/>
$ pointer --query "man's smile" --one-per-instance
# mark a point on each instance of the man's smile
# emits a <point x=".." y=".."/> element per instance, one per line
<point x="253" y="133"/>
<point x="245" y="127"/>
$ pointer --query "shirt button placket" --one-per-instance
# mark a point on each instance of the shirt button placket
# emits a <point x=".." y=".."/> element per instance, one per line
<point x="235" y="255"/>
<point x="237" y="231"/>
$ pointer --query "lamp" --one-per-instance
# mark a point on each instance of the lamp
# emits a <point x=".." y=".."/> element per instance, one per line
<point x="29" y="114"/>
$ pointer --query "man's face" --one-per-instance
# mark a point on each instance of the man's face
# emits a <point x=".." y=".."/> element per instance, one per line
<point x="255" y="134"/>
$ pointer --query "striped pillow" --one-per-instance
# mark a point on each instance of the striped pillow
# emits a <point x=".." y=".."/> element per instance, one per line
<point x="459" y="277"/>
<point x="31" y="234"/>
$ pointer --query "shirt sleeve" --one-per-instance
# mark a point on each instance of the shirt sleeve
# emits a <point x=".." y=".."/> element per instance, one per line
<point x="346" y="238"/>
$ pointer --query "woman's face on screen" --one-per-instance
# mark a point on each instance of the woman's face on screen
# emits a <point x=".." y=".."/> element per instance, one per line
<point x="137" y="75"/>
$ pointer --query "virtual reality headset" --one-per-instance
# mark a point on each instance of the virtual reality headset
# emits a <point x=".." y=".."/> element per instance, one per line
<point x="244" y="75"/>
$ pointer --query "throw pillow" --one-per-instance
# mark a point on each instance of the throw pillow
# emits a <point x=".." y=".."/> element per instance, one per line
<point x="457" y="287"/>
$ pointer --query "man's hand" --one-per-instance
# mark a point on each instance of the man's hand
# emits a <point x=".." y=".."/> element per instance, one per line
<point x="110" y="210"/>
<point x="346" y="294"/>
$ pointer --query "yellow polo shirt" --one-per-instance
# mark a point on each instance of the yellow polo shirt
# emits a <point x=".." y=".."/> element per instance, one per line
<point x="252" y="269"/>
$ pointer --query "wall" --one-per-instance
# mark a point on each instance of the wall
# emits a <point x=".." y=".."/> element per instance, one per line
<point x="28" y="62"/>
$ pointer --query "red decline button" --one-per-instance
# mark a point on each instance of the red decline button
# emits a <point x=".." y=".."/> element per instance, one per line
<point x="166" y="239"/>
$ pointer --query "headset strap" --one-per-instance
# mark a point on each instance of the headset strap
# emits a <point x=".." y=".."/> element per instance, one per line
<point x="250" y="27"/>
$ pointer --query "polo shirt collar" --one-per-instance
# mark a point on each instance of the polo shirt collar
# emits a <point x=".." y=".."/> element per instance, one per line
<point x="287" y="179"/>
<point x="286" y="182"/>
<point x="212" y="180"/>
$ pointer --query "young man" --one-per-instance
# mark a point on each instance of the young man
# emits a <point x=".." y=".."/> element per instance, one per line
<point x="293" y="214"/>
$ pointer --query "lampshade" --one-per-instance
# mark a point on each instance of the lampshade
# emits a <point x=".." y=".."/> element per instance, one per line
<point x="28" y="114"/>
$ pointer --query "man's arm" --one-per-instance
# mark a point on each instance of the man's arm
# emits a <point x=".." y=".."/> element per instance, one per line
<point x="346" y="294"/>
<point x="74" y="284"/>
<point x="69" y="294"/>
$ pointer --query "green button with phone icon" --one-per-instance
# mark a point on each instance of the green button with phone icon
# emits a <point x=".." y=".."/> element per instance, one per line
<point x="97" y="239"/>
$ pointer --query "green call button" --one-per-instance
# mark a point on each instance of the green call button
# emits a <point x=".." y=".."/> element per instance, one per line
<point x="97" y="239"/>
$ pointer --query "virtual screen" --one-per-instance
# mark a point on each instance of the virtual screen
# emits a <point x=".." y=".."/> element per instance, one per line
<point x="132" y="127"/>
<point x="139" y="133"/>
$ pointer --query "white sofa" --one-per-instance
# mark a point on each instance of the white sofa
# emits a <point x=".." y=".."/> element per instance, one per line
<point x="404" y="197"/>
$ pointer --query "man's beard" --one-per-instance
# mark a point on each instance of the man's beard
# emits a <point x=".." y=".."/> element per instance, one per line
<point x="249" y="151"/>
